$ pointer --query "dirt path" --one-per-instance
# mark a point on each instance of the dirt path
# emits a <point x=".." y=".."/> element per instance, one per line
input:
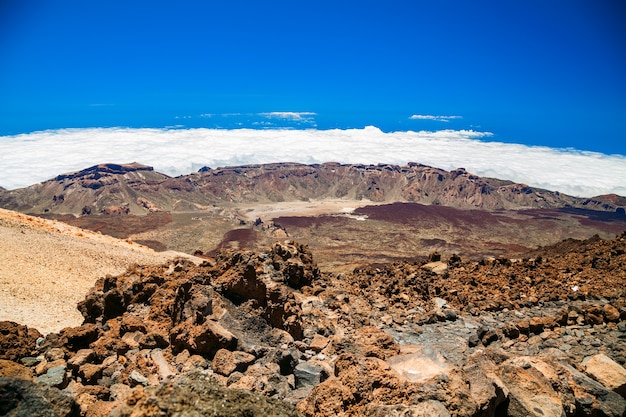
<point x="46" y="268"/>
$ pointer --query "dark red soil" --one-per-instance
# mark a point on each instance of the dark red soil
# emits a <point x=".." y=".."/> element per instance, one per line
<point x="119" y="226"/>
<point x="411" y="213"/>
<point x="246" y="238"/>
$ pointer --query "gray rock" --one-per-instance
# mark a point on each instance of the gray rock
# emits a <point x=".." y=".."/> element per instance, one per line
<point x="22" y="398"/>
<point x="136" y="378"/>
<point x="199" y="395"/>
<point x="307" y="373"/>
<point x="591" y="397"/>
<point x="54" y="377"/>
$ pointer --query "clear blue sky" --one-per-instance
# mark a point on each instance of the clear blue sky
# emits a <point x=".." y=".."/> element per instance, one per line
<point x="535" y="72"/>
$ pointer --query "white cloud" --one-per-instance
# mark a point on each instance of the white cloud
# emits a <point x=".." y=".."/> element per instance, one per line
<point x="30" y="158"/>
<point x="292" y="115"/>
<point x="445" y="119"/>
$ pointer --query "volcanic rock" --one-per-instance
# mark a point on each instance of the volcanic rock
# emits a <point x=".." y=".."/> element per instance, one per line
<point x="17" y="340"/>
<point x="226" y="362"/>
<point x="197" y="394"/>
<point x="606" y="371"/>
<point x="23" y="398"/>
<point x="354" y="343"/>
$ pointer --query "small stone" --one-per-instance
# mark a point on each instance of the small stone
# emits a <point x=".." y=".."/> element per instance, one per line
<point x="81" y="357"/>
<point x="90" y="373"/>
<point x="30" y="361"/>
<point x="226" y="362"/>
<point x="136" y="378"/>
<point x="318" y="343"/>
<point x="473" y="340"/>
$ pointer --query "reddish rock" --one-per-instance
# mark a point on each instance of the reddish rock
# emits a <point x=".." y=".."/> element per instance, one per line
<point x="81" y="357"/>
<point x="610" y="313"/>
<point x="226" y="362"/>
<point x="318" y="343"/>
<point x="206" y="338"/>
<point x="371" y="341"/>
<point x="10" y="369"/>
<point x="17" y="340"/>
<point x="90" y="373"/>
<point x="80" y="337"/>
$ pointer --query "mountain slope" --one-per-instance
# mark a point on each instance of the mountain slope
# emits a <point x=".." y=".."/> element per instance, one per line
<point x="48" y="266"/>
<point x="138" y="189"/>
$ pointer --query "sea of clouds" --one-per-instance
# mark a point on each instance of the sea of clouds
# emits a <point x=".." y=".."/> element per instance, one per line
<point x="30" y="158"/>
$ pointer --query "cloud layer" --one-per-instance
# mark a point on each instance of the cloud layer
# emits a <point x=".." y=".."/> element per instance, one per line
<point x="435" y="118"/>
<point x="30" y="158"/>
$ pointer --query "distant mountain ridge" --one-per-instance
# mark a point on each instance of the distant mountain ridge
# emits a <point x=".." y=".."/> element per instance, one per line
<point x="138" y="189"/>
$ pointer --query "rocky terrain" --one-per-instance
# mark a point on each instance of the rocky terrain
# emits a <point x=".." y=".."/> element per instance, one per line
<point x="138" y="189"/>
<point x="316" y="290"/>
<point x="341" y="211"/>
<point x="253" y="333"/>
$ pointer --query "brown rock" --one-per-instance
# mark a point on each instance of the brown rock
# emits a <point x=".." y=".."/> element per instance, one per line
<point x="197" y="394"/>
<point x="523" y="326"/>
<point x="90" y="373"/>
<point x="486" y="389"/>
<point x="206" y="338"/>
<point x="81" y="357"/>
<point x="318" y="343"/>
<point x="530" y="392"/>
<point x="226" y="362"/>
<point x="429" y="408"/>
<point x="607" y="372"/>
<point x="132" y="323"/>
<point x="10" y="369"/>
<point x="132" y="339"/>
<point x="80" y="337"/>
<point x="610" y="313"/>
<point x="371" y="341"/>
<point x="594" y="314"/>
<point x="17" y="340"/>
<point x="264" y="379"/>
<point x="535" y="325"/>
<point x="54" y="354"/>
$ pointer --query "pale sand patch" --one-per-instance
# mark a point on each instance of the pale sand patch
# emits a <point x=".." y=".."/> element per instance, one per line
<point x="301" y="208"/>
<point x="47" y="267"/>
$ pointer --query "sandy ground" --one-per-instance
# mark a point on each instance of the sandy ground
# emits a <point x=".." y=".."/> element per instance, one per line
<point x="47" y="267"/>
<point x="301" y="208"/>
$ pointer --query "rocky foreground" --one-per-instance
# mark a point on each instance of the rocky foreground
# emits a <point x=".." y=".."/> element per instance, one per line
<point x="268" y="334"/>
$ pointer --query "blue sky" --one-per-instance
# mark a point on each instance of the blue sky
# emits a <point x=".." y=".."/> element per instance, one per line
<point x="548" y="73"/>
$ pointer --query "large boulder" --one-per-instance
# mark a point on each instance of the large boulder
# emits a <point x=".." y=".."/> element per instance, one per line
<point x="530" y="392"/>
<point x="17" y="340"/>
<point x="607" y="372"/>
<point x="23" y="398"/>
<point x="199" y="395"/>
